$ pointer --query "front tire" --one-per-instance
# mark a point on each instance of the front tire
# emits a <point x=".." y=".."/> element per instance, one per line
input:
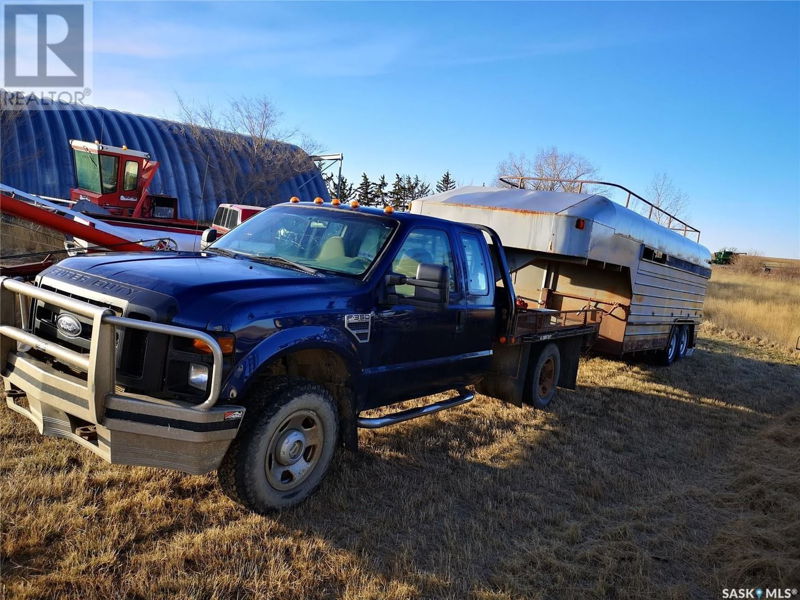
<point x="544" y="376"/>
<point x="284" y="448"/>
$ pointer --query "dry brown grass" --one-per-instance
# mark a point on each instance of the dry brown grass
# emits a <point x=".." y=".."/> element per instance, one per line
<point x="643" y="482"/>
<point x="763" y="542"/>
<point x="765" y="307"/>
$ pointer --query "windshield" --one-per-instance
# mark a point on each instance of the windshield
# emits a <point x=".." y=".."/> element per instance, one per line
<point x="330" y="240"/>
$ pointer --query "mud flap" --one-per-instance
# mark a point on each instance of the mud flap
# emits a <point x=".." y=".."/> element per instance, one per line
<point x="570" y="349"/>
<point x="507" y="374"/>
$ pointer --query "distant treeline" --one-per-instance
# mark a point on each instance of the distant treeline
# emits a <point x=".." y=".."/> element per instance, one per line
<point x="403" y="190"/>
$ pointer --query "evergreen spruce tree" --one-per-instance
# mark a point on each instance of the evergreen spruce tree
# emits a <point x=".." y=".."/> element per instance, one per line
<point x="446" y="183"/>
<point x="364" y="191"/>
<point x="397" y="195"/>
<point x="420" y="188"/>
<point x="379" y="191"/>
<point x="344" y="190"/>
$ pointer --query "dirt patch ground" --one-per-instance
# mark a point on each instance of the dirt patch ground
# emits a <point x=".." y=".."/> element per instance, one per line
<point x="644" y="482"/>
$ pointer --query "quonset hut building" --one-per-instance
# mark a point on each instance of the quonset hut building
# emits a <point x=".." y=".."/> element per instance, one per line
<point x="200" y="167"/>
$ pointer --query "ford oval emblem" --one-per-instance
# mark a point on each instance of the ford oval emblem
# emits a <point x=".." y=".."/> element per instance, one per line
<point x="68" y="325"/>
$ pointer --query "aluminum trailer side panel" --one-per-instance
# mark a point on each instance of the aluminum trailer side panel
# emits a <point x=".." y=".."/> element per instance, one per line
<point x="662" y="295"/>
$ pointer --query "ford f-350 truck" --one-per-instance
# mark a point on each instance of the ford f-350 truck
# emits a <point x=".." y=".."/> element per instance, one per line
<point x="258" y="356"/>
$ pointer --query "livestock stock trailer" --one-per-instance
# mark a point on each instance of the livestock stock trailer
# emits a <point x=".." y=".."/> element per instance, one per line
<point x="572" y="251"/>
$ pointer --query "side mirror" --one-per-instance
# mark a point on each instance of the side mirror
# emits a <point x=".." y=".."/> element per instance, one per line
<point x="432" y="283"/>
<point x="209" y="237"/>
<point x="431" y="287"/>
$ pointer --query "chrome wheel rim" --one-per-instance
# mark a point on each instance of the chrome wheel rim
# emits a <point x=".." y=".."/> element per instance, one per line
<point x="547" y="377"/>
<point x="294" y="450"/>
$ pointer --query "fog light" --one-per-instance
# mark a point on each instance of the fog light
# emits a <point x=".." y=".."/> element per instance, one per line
<point x="198" y="376"/>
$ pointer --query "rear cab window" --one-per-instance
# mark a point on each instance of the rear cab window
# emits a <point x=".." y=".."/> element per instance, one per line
<point x="477" y="264"/>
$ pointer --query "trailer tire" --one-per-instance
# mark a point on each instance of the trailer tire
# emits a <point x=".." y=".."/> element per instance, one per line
<point x="284" y="447"/>
<point x="544" y="376"/>
<point x="683" y="341"/>
<point x="668" y="355"/>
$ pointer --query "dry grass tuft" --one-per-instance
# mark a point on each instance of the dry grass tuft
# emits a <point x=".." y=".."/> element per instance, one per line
<point x="637" y="484"/>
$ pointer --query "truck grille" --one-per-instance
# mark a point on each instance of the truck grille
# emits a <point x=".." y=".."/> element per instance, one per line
<point x="131" y="345"/>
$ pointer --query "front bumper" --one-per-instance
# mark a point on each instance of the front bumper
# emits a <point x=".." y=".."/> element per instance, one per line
<point x="83" y="404"/>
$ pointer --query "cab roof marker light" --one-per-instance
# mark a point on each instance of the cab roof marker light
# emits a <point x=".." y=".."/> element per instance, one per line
<point x="354" y="204"/>
<point x="294" y="199"/>
<point x="335" y="201"/>
<point x="319" y="200"/>
<point x="388" y="209"/>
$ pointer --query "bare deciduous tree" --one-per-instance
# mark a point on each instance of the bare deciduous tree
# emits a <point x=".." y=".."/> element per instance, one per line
<point x="551" y="164"/>
<point x="664" y="194"/>
<point x="244" y="148"/>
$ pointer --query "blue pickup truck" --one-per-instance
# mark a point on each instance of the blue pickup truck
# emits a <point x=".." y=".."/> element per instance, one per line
<point x="258" y="356"/>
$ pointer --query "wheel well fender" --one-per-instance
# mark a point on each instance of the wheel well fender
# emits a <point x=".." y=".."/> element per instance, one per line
<point x="320" y="354"/>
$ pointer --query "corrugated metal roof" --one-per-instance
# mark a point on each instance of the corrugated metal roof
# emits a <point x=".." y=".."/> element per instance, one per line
<point x="35" y="156"/>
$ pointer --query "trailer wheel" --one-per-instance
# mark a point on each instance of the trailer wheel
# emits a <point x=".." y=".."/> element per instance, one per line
<point x="667" y="355"/>
<point x="284" y="449"/>
<point x="544" y="377"/>
<point x="683" y="341"/>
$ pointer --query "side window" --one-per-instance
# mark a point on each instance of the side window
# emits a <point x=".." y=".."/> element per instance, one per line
<point x="430" y="246"/>
<point x="108" y="173"/>
<point x="230" y="218"/>
<point x="131" y="177"/>
<point x="220" y="216"/>
<point x="478" y="275"/>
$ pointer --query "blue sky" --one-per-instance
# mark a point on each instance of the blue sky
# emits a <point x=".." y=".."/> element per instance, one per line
<point x="709" y="93"/>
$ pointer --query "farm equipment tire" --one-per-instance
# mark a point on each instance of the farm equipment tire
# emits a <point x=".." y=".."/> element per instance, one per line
<point x="284" y="447"/>
<point x="668" y="355"/>
<point x="544" y="376"/>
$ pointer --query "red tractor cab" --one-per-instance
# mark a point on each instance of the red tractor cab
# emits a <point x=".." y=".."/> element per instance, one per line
<point x="117" y="179"/>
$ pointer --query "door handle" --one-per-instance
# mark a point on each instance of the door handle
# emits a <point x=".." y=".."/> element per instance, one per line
<point x="461" y="318"/>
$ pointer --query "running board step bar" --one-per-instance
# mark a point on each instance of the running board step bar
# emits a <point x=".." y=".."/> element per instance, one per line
<point x="412" y="413"/>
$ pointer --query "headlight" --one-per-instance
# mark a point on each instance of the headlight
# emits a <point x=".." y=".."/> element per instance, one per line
<point x="198" y="376"/>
